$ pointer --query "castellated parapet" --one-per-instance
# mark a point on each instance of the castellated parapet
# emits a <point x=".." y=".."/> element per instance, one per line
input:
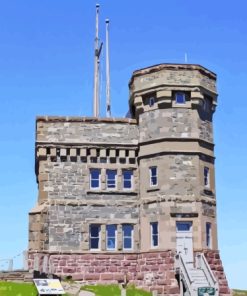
<point x="117" y="195"/>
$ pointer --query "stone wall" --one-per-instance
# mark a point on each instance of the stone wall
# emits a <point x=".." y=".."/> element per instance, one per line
<point x="69" y="224"/>
<point x="149" y="270"/>
<point x="71" y="180"/>
<point x="54" y="129"/>
<point x="182" y="123"/>
<point x="178" y="175"/>
<point x="215" y="263"/>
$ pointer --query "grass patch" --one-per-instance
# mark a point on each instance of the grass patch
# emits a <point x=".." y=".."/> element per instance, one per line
<point x="114" y="290"/>
<point x="17" y="289"/>
<point x="103" y="290"/>
<point x="132" y="291"/>
<point x="239" y="292"/>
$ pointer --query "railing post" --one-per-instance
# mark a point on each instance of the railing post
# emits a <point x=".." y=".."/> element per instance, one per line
<point x="198" y="260"/>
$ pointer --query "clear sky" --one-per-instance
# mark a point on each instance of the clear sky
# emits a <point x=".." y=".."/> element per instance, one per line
<point x="46" y="68"/>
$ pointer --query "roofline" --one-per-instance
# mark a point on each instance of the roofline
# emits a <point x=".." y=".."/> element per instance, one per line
<point x="85" y="119"/>
<point x="172" y="66"/>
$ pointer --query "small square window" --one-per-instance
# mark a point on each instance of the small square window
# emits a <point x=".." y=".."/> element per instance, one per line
<point x="111" y="178"/>
<point x="183" y="226"/>
<point x="95" y="178"/>
<point x="180" y="98"/>
<point x="153" y="176"/>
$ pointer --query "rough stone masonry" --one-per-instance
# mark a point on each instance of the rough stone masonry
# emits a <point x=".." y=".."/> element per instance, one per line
<point x="115" y="194"/>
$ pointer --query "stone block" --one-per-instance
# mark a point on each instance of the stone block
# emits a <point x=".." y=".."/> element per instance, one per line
<point x="92" y="277"/>
<point x="63" y="152"/>
<point x="102" y="153"/>
<point x="131" y="153"/>
<point x="112" y="153"/>
<point x="107" y="276"/>
<point x="164" y="94"/>
<point x="83" y="152"/>
<point x="93" y="152"/>
<point x="122" y="153"/>
<point x="42" y="152"/>
<point x="72" y="152"/>
<point x="53" y="152"/>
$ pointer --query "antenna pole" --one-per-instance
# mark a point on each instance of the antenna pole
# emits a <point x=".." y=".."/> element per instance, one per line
<point x="108" y="98"/>
<point x="186" y="58"/>
<point x="96" y="67"/>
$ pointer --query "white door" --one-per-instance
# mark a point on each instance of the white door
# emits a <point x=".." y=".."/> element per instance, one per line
<point x="184" y="240"/>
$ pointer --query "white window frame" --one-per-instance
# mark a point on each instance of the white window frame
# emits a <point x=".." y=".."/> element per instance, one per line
<point x="91" y="179"/>
<point x="91" y="237"/>
<point x="107" y="179"/>
<point x="132" y="237"/>
<point x="184" y="98"/>
<point x="206" y="177"/>
<point x="153" y="176"/>
<point x="128" y="180"/>
<point x="152" y="235"/>
<point x="209" y="235"/>
<point x="115" y="237"/>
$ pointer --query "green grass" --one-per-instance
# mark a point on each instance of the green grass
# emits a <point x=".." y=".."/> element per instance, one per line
<point x="114" y="290"/>
<point x="17" y="289"/>
<point x="239" y="293"/>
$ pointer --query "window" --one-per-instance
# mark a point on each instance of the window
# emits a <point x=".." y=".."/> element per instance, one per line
<point x="151" y="101"/>
<point x="153" y="176"/>
<point x="180" y="98"/>
<point x="94" y="178"/>
<point x="127" y="179"/>
<point x="127" y="237"/>
<point x="206" y="177"/>
<point x="208" y="235"/>
<point x="111" y="178"/>
<point x="111" y="231"/>
<point x="94" y="237"/>
<point x="183" y="226"/>
<point x="154" y="234"/>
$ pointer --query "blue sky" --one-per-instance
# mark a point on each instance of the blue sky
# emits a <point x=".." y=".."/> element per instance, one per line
<point x="46" y="68"/>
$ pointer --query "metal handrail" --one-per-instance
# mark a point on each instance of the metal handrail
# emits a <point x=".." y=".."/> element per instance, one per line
<point x="184" y="272"/>
<point x="202" y="263"/>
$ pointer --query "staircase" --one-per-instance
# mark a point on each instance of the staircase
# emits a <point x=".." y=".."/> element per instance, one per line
<point x="16" y="276"/>
<point x="197" y="280"/>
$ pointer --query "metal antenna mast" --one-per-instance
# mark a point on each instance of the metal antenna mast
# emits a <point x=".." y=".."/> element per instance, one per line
<point x="97" y="51"/>
<point x="108" y="97"/>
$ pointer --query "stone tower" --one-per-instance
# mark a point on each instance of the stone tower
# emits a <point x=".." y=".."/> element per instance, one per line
<point x="133" y="198"/>
<point x="174" y="106"/>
